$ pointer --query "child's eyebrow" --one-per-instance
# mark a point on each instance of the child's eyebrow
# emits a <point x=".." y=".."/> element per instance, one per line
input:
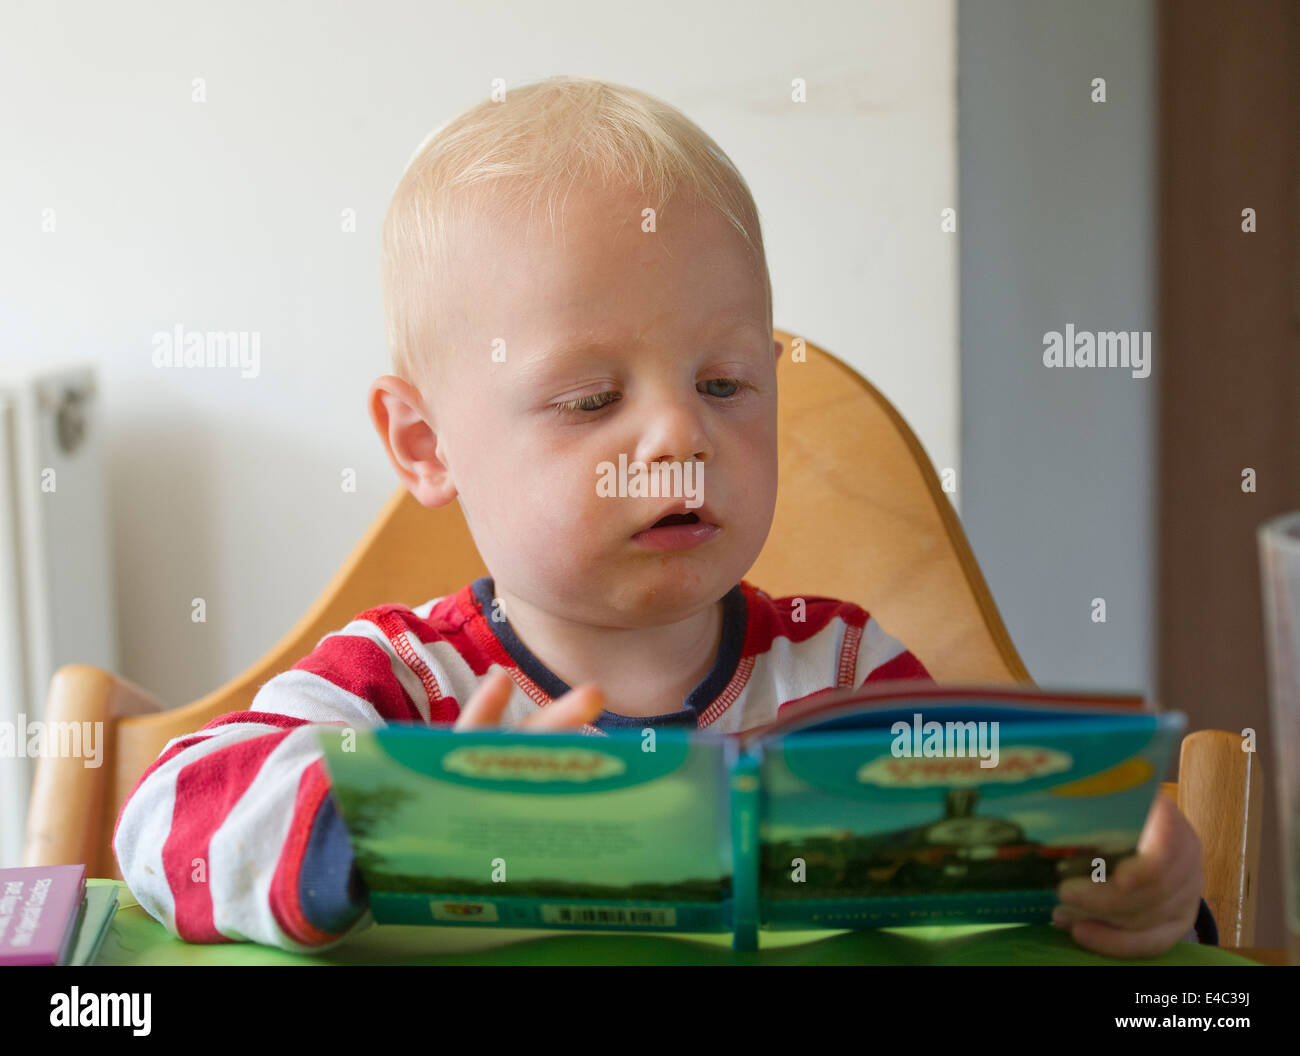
<point x="567" y="354"/>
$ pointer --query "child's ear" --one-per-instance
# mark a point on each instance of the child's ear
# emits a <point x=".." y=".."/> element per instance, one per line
<point x="398" y="414"/>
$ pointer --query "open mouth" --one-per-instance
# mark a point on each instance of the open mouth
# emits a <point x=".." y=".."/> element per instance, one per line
<point x="679" y="530"/>
<point x="676" y="518"/>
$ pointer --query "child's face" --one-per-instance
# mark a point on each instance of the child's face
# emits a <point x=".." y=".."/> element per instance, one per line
<point x="674" y="310"/>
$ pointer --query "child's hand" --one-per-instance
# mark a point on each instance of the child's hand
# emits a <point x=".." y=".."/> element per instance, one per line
<point x="578" y="706"/>
<point x="1151" y="900"/>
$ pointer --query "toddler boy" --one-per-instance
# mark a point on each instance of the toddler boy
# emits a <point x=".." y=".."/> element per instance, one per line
<point x="529" y="356"/>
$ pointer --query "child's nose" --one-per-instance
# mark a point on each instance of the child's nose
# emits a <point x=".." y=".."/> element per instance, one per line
<point x="675" y="433"/>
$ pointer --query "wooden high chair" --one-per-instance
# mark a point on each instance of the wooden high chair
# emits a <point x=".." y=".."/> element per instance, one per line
<point x="860" y="515"/>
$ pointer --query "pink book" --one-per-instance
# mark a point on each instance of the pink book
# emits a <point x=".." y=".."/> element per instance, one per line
<point x="39" y="910"/>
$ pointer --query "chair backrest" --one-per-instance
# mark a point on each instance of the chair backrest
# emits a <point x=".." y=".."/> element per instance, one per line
<point x="860" y="515"/>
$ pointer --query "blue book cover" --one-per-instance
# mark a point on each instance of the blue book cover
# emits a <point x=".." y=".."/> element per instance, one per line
<point x="881" y="806"/>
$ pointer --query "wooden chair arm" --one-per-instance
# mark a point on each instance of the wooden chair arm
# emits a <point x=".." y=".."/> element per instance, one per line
<point x="70" y="795"/>
<point x="1220" y="793"/>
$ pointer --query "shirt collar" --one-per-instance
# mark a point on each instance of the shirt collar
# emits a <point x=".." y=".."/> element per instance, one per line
<point x="734" y="617"/>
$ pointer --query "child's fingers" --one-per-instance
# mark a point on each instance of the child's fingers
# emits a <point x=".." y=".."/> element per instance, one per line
<point x="487" y="703"/>
<point x="1131" y="892"/>
<point x="1164" y="822"/>
<point x="1168" y="861"/>
<point x="574" y="709"/>
<point x="1146" y="880"/>
<point x="1173" y="906"/>
<point x="1111" y="941"/>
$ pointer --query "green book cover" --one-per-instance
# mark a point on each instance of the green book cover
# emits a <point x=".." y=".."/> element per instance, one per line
<point x="900" y="804"/>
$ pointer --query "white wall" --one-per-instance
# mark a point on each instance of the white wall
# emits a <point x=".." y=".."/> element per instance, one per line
<point x="225" y="215"/>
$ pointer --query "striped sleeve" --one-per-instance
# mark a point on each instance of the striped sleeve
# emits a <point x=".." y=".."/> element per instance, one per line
<point x="213" y="837"/>
<point x="882" y="658"/>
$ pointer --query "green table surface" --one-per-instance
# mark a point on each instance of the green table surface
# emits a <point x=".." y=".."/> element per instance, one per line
<point x="134" y="937"/>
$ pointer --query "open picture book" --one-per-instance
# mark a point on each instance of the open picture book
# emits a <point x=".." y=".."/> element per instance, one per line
<point x="894" y="804"/>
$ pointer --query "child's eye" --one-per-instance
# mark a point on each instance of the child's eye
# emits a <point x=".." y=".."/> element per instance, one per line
<point x="586" y="403"/>
<point x="735" y="383"/>
<point x="597" y="400"/>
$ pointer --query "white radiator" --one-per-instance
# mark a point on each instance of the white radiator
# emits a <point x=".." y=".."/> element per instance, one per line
<point x="56" y="584"/>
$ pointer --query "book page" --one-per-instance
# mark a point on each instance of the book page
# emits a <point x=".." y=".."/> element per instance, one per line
<point x="537" y="830"/>
<point x="873" y="828"/>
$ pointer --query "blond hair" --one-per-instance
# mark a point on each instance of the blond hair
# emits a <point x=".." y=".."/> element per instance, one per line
<point x="498" y="158"/>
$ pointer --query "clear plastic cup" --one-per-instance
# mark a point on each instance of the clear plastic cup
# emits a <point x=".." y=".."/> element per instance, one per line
<point x="1279" y="561"/>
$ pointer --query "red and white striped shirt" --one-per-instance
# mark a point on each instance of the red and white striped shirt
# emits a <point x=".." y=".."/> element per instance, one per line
<point x="232" y="835"/>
